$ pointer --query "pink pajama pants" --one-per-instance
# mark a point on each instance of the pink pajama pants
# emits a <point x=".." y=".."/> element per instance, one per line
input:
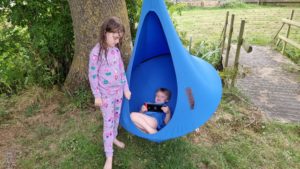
<point x="111" y="107"/>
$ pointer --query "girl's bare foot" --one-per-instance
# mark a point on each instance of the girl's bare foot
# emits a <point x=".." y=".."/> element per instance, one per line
<point x="119" y="143"/>
<point x="108" y="163"/>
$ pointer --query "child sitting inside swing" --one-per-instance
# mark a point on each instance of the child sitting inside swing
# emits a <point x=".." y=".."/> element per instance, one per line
<point x="152" y="121"/>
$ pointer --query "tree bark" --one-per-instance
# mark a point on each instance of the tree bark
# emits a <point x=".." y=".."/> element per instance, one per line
<point x="87" y="16"/>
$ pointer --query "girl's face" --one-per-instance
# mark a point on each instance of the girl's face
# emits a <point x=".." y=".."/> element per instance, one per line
<point x="112" y="39"/>
<point x="161" y="97"/>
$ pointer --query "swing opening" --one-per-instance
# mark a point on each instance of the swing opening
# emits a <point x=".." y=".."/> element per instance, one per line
<point x="153" y="66"/>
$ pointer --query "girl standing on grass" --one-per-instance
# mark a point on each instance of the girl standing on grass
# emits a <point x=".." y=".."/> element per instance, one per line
<point x="108" y="82"/>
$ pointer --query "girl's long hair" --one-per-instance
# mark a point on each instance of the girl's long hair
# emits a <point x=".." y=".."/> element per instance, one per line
<point x="112" y="25"/>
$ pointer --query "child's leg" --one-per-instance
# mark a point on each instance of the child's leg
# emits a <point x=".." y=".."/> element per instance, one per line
<point x="117" y="107"/>
<point x="134" y="119"/>
<point x="108" y="163"/>
<point x="144" y="122"/>
<point x="108" y="125"/>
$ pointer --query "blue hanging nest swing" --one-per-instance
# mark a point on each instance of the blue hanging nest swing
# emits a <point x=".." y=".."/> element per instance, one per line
<point x="160" y="60"/>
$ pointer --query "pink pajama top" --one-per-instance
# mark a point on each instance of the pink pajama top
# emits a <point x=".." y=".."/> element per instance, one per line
<point x="106" y="76"/>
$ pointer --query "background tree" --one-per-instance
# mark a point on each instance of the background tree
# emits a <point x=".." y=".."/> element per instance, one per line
<point x="87" y="18"/>
<point x="134" y="11"/>
<point x="37" y="39"/>
<point x="36" y="43"/>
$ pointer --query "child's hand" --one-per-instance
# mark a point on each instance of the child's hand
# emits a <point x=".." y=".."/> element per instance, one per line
<point x="144" y="108"/>
<point x="98" y="102"/>
<point x="127" y="95"/>
<point x="165" y="109"/>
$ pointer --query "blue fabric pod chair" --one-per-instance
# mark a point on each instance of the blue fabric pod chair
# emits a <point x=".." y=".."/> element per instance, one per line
<point x="160" y="60"/>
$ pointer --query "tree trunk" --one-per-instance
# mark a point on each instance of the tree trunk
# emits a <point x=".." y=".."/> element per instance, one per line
<point x="87" y="16"/>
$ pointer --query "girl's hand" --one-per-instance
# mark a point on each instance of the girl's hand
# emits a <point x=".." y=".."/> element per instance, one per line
<point x="144" y="109"/>
<point x="127" y="95"/>
<point x="165" y="109"/>
<point x="98" y="102"/>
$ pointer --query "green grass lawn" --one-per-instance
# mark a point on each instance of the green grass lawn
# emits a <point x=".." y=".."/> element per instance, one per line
<point x="51" y="130"/>
<point x="262" y="23"/>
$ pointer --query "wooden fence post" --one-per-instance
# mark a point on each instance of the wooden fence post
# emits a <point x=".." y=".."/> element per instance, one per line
<point x="278" y="32"/>
<point x="288" y="32"/>
<point x="229" y="40"/>
<point x="225" y="30"/>
<point x="237" y="54"/>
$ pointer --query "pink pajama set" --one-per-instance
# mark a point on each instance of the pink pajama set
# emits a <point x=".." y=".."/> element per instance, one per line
<point x="108" y="82"/>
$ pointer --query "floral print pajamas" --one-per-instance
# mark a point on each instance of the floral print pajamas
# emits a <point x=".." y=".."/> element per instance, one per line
<point x="108" y="82"/>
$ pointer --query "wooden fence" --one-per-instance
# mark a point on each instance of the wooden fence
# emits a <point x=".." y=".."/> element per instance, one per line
<point x="289" y="22"/>
<point x="240" y="43"/>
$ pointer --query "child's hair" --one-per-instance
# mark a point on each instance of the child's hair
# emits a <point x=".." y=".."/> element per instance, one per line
<point x="112" y="25"/>
<point x="165" y="91"/>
